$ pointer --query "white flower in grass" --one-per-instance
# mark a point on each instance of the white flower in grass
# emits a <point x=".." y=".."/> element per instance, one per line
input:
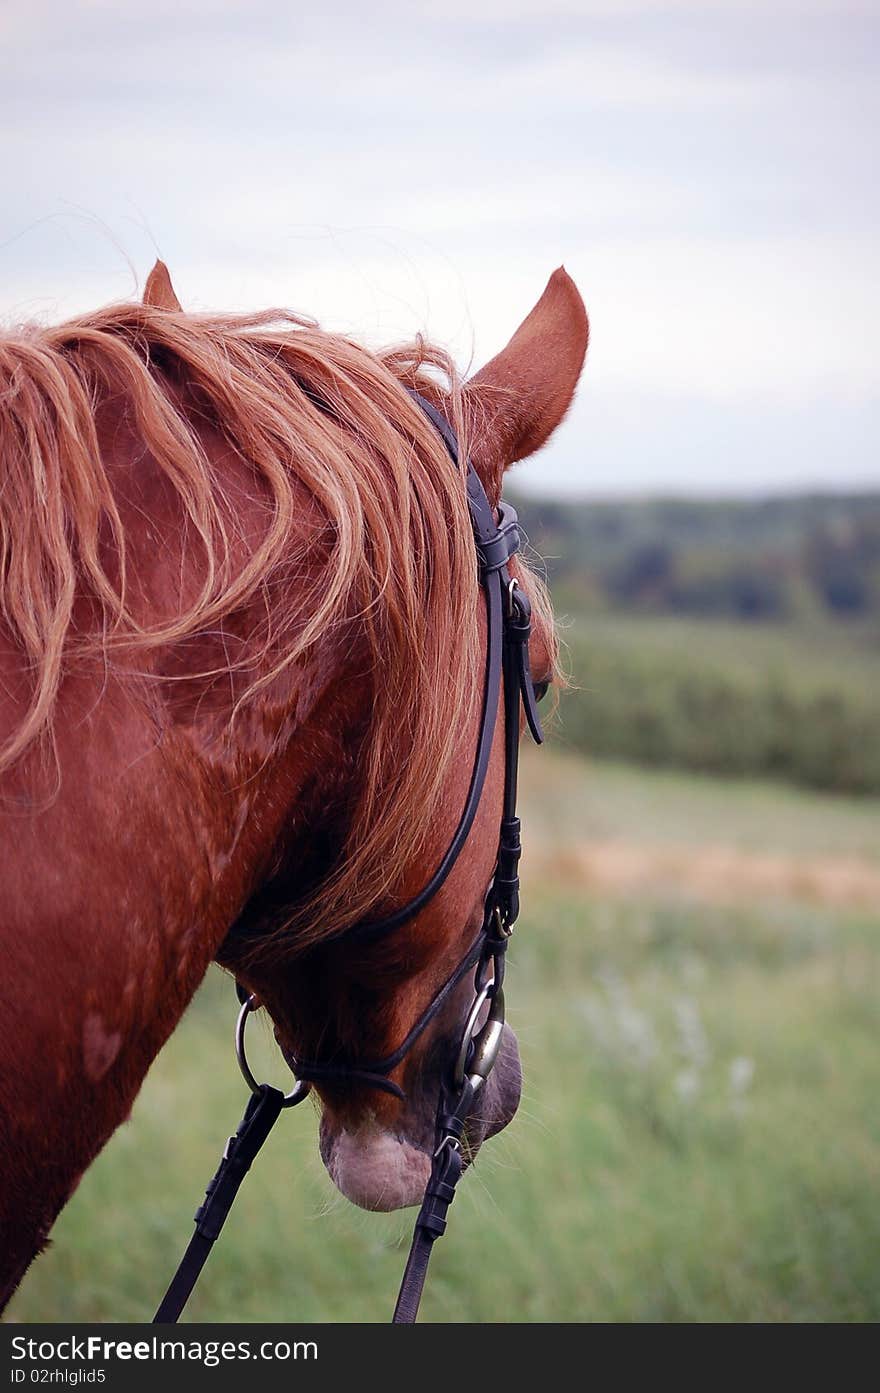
<point x="636" y="1033"/>
<point x="617" y="1025"/>
<point x="693" y="1043"/>
<point x="687" y="1085"/>
<point x="740" y="1073"/>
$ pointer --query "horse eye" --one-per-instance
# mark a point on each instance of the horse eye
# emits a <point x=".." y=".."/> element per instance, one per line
<point x="540" y="689"/>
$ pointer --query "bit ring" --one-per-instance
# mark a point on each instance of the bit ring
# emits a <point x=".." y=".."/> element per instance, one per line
<point x="300" y="1088"/>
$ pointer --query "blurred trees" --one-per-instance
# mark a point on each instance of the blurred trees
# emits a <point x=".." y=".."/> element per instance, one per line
<point x="730" y="637"/>
<point x="764" y="559"/>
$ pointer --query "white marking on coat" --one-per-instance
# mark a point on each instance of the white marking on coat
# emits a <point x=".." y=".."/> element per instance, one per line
<point x="100" y="1046"/>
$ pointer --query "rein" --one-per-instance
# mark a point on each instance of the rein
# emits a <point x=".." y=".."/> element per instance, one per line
<point x="508" y="612"/>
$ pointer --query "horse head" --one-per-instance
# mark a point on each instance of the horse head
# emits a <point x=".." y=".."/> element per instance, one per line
<point x="374" y="1014"/>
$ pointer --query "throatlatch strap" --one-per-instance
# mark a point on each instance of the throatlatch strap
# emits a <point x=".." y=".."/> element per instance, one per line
<point x="260" y="1116"/>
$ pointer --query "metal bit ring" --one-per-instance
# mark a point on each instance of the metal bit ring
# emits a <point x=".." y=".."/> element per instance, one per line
<point x="486" y="1041"/>
<point x="300" y="1088"/>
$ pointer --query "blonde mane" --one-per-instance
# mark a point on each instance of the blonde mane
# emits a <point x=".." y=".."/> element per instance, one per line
<point x="310" y="414"/>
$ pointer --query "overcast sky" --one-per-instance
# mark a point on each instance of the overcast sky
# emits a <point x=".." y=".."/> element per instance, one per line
<point x="706" y="171"/>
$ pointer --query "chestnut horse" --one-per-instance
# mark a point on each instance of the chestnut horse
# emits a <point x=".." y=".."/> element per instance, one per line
<point x="241" y="646"/>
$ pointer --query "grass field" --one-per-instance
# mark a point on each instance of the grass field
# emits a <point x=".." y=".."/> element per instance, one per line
<point x="700" y="1134"/>
<point x="796" y="702"/>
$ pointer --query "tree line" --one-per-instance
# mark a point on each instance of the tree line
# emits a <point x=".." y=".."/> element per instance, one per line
<point x="768" y="559"/>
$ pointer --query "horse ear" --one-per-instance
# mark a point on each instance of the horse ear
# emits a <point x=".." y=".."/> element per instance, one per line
<point x="517" y="400"/>
<point x="158" y="291"/>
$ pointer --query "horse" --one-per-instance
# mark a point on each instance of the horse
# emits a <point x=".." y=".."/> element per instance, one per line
<point x="241" y="645"/>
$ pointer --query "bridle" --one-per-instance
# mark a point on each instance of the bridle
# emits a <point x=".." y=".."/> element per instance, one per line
<point x="496" y="540"/>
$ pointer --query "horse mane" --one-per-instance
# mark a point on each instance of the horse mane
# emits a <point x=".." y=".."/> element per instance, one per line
<point x="310" y="414"/>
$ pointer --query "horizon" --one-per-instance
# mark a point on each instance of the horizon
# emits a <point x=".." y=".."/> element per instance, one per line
<point x="781" y="494"/>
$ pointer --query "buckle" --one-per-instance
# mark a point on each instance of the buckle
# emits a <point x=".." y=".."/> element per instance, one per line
<point x="495" y="549"/>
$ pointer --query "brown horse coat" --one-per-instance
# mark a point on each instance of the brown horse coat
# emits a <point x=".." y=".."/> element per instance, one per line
<point x="240" y="635"/>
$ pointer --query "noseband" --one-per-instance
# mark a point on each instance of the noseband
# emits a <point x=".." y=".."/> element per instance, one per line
<point x="508" y="614"/>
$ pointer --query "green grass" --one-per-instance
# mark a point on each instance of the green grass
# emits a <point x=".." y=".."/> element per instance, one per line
<point x="821" y="651"/>
<point x="572" y="800"/>
<point x="699" y="1139"/>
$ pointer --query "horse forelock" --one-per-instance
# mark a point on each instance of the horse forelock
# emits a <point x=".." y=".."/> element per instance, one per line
<point x="309" y="416"/>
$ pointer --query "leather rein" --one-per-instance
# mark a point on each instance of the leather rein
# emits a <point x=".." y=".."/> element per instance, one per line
<point x="496" y="540"/>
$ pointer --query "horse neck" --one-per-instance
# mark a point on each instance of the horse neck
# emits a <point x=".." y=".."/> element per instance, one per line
<point x="119" y="890"/>
<point x="234" y="785"/>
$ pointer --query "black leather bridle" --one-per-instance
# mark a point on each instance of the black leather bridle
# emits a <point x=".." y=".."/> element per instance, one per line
<point x="496" y="540"/>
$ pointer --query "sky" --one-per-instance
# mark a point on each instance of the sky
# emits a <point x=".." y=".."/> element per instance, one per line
<point x="706" y="172"/>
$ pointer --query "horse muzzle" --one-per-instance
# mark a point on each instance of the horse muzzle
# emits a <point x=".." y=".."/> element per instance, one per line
<point x="381" y="1167"/>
